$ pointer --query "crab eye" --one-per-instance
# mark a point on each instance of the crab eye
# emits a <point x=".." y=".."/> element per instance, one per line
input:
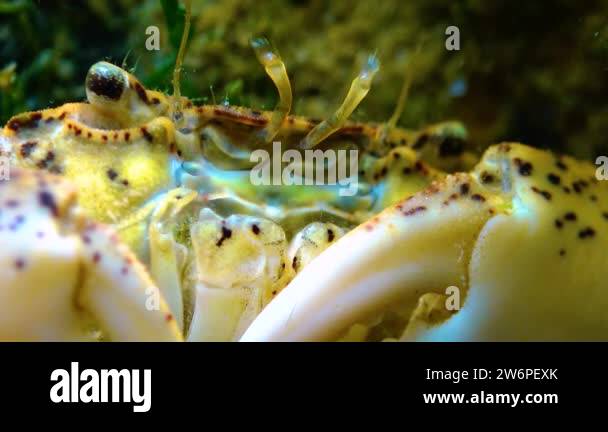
<point x="105" y="80"/>
<point x="451" y="146"/>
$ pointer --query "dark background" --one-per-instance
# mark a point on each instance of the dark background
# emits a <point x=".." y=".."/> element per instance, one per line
<point x="535" y="72"/>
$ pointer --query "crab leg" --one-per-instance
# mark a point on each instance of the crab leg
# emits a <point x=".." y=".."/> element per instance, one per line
<point x="167" y="257"/>
<point x="358" y="90"/>
<point x="513" y="236"/>
<point x="275" y="68"/>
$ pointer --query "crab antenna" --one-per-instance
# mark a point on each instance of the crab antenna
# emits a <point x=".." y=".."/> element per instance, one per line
<point x="180" y="57"/>
<point x="358" y="90"/>
<point x="275" y="68"/>
<point x="407" y="82"/>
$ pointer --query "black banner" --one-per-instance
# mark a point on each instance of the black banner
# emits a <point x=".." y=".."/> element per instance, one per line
<point x="154" y="380"/>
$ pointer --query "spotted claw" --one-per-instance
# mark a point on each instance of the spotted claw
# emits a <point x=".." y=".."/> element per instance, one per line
<point x="67" y="278"/>
<point x="512" y="237"/>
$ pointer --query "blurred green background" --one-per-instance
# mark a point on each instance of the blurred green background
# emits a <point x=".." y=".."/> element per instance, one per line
<point x="535" y="72"/>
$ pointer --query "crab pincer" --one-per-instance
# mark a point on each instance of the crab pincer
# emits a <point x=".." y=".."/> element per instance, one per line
<point x="67" y="277"/>
<point x="512" y="237"/>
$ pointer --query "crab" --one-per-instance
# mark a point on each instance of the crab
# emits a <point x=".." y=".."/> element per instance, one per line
<point x="230" y="260"/>
<point x="170" y="176"/>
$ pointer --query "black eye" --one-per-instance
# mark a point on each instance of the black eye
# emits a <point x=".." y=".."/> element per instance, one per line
<point x="105" y="79"/>
<point x="451" y="146"/>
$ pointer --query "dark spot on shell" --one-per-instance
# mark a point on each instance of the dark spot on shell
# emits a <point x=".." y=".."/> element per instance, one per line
<point x="562" y="252"/>
<point x="47" y="200"/>
<point x="255" y="228"/>
<point x="464" y="189"/>
<point x="593" y="198"/>
<point x="421" y="141"/>
<point x="605" y="215"/>
<point x="19" y="263"/>
<point x="486" y="177"/>
<point x="147" y="135"/>
<point x="421" y="167"/>
<point x="414" y="210"/>
<point x="141" y="92"/>
<point x="104" y="137"/>
<point x="27" y="148"/>
<point x="62" y="116"/>
<point x="330" y="235"/>
<point x="524" y="168"/>
<point x="24" y="122"/>
<point x="477" y="197"/>
<point x="89" y="134"/>
<point x="294" y="263"/>
<point x="168" y="317"/>
<point x="49" y="158"/>
<point x="125" y="182"/>
<point x="406" y="170"/>
<point x="236" y="116"/>
<point x="562" y="166"/>
<point x="112" y="174"/>
<point x="156" y="101"/>
<point x="545" y="194"/>
<point x="566" y="189"/>
<point x="226" y="234"/>
<point x="558" y="224"/>
<point x="554" y="179"/>
<point x="127" y="136"/>
<point x="570" y="216"/>
<point x="586" y="232"/>
<point x="96" y="257"/>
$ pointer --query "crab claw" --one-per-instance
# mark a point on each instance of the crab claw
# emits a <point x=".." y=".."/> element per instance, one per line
<point x="66" y="278"/>
<point x="521" y="239"/>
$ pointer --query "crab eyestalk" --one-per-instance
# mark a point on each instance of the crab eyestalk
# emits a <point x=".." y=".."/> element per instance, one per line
<point x="357" y="92"/>
<point x="275" y="68"/>
<point x="512" y="236"/>
<point x="119" y="95"/>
